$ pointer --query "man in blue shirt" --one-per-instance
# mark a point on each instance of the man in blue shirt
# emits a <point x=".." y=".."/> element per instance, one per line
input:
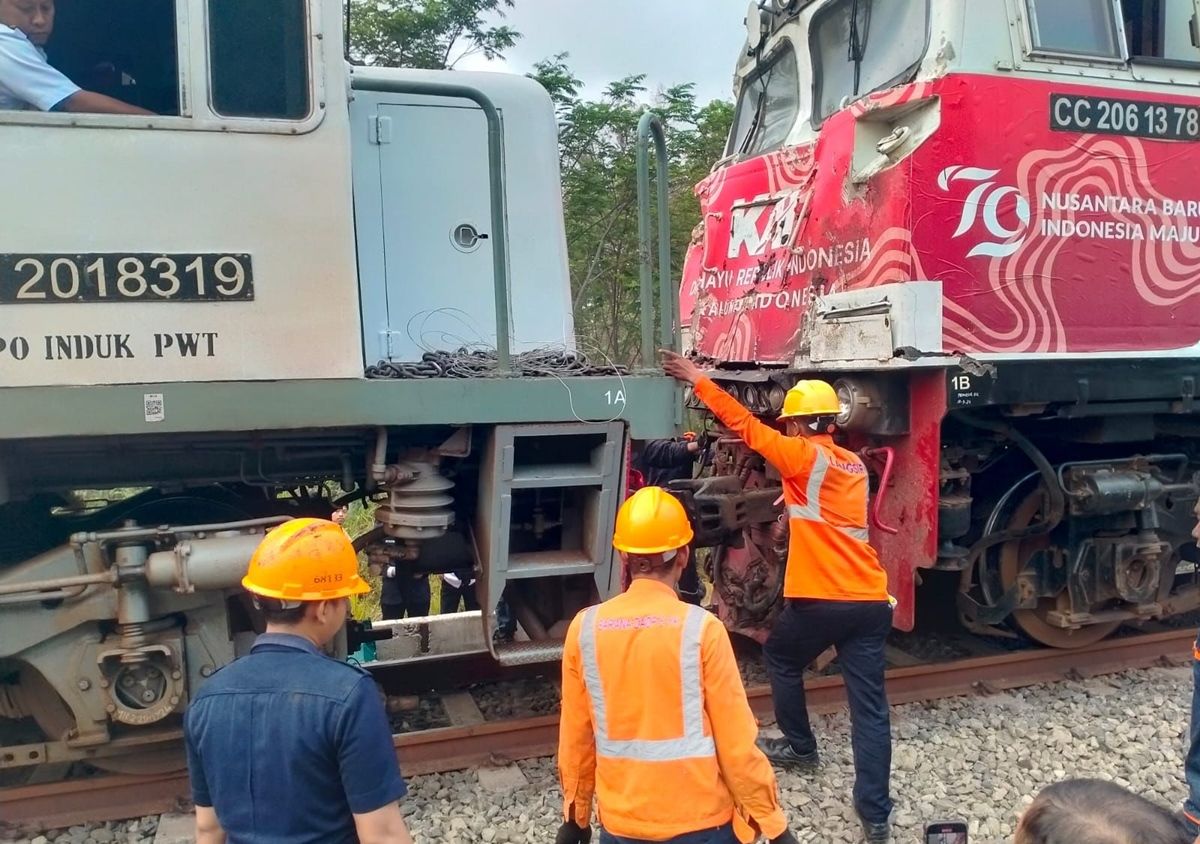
<point x="285" y="745"/>
<point x="27" y="80"/>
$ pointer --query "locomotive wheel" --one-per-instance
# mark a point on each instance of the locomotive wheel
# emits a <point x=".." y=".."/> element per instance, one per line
<point x="149" y="762"/>
<point x="1032" y="622"/>
<point x="54" y="718"/>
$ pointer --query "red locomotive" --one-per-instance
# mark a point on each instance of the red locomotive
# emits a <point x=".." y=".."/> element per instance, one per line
<point x="981" y="222"/>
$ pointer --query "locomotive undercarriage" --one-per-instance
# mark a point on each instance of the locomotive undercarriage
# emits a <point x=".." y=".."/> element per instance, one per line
<point x="1063" y="519"/>
<point x="121" y="559"/>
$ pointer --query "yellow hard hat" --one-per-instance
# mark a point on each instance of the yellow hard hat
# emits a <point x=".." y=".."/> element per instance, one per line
<point x="652" y="521"/>
<point x="305" y="560"/>
<point x="810" y="398"/>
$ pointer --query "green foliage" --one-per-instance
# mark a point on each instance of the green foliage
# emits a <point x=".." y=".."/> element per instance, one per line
<point x="432" y="34"/>
<point x="598" y="142"/>
<point x="597" y="149"/>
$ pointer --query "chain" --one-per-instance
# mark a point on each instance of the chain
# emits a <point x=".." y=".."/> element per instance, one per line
<point x="466" y="363"/>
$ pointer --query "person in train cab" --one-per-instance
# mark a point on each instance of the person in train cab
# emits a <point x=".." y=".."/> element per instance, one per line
<point x="1191" y="806"/>
<point x="27" y="80"/>
<point x="835" y="590"/>
<point x="665" y="460"/>
<point x="1091" y="811"/>
<point x="655" y="724"/>
<point x="309" y="732"/>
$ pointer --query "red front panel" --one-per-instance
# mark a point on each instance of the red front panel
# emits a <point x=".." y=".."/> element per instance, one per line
<point x="1044" y="240"/>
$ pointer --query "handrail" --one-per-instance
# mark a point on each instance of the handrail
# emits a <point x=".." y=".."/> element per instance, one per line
<point x="365" y="80"/>
<point x="651" y="125"/>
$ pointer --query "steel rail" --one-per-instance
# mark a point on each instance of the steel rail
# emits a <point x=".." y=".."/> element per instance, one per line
<point x="105" y="798"/>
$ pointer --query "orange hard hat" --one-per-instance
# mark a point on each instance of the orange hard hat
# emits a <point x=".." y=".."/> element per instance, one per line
<point x="810" y="398"/>
<point x="305" y="560"/>
<point x="652" y="521"/>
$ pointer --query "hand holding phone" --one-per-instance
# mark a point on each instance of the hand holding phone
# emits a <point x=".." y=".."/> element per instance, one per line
<point x="946" y="832"/>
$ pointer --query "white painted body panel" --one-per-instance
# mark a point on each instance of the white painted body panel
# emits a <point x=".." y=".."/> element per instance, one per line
<point x="107" y="185"/>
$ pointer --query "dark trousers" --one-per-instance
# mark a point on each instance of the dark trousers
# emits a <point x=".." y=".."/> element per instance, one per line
<point x="1191" y="769"/>
<point x="858" y="629"/>
<point x="452" y="594"/>
<point x="413" y="594"/>
<point x="717" y="835"/>
<point x="691" y="589"/>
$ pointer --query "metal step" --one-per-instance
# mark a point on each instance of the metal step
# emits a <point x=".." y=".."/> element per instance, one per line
<point x="528" y="653"/>
<point x="579" y="466"/>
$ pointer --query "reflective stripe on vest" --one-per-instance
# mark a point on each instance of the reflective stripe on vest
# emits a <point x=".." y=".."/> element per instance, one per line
<point x="694" y="743"/>
<point x="811" y="510"/>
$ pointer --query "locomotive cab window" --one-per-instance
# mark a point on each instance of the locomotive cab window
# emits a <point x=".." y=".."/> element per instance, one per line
<point x="1161" y="31"/>
<point x="768" y="106"/>
<point x="860" y="46"/>
<point x="123" y="49"/>
<point x="259" y="58"/>
<point x="1142" y="31"/>
<point x="1075" y="27"/>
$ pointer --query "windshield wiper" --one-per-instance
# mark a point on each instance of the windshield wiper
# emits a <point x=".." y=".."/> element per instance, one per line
<point x="759" y="111"/>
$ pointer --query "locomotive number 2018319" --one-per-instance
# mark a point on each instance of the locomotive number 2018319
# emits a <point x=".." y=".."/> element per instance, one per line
<point x="117" y="277"/>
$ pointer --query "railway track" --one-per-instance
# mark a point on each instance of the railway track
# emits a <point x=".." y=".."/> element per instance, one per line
<point x="484" y="743"/>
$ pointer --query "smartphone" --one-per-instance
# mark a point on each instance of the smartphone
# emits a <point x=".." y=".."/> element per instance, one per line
<point x="946" y="832"/>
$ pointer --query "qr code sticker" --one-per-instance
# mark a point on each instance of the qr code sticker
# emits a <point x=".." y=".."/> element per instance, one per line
<point x="153" y="405"/>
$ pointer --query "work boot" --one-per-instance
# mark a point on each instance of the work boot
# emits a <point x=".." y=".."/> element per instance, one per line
<point x="876" y="833"/>
<point x="780" y="752"/>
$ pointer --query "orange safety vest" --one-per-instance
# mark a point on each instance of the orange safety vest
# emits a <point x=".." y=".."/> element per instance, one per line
<point x="655" y="724"/>
<point x="825" y="488"/>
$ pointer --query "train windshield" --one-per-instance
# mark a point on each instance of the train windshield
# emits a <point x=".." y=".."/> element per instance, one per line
<point x="768" y="106"/>
<point x="860" y="46"/>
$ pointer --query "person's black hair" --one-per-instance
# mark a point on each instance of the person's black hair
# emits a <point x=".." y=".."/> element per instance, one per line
<point x="1091" y="811"/>
<point x="276" y="612"/>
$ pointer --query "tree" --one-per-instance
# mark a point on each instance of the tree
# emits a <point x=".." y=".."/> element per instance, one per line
<point x="432" y="34"/>
<point x="597" y="144"/>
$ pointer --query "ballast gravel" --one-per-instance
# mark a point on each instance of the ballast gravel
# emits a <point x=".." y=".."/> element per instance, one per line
<point x="980" y="759"/>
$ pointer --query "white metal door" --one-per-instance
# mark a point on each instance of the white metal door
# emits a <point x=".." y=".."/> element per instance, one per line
<point x="436" y="228"/>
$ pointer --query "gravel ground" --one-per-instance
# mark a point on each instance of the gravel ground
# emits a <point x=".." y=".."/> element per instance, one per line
<point x="519" y="698"/>
<point x="428" y="714"/>
<point x="981" y="759"/>
<point x="139" y="831"/>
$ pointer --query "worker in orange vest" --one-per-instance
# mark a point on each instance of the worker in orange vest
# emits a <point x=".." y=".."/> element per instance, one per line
<point x="655" y="723"/>
<point x="835" y="590"/>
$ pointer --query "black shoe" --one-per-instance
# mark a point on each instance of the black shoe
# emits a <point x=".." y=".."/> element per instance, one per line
<point x="877" y="833"/>
<point x="780" y="752"/>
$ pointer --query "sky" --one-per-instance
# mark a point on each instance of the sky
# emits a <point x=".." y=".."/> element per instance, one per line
<point x="671" y="41"/>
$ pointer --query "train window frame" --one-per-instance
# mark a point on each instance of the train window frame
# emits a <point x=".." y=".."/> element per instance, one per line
<point x="195" y="111"/>
<point x="183" y="120"/>
<point x="1146" y="60"/>
<point x="770" y="62"/>
<point x="1171" y="74"/>
<point x="1027" y="10"/>
<point x="310" y="68"/>
<point x="818" y="74"/>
